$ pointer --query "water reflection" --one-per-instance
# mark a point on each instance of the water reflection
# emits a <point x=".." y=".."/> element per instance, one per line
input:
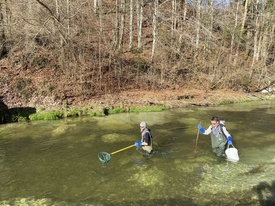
<point x="56" y="162"/>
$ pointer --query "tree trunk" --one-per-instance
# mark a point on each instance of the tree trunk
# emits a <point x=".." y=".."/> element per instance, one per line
<point x="256" y="43"/>
<point x="95" y="5"/>
<point x="122" y="24"/>
<point x="233" y="37"/>
<point x="198" y="14"/>
<point x="68" y="18"/>
<point x="131" y="26"/>
<point x="173" y="20"/>
<point x="116" y="36"/>
<point x="155" y="22"/>
<point x="140" y="19"/>
<point x="185" y="9"/>
<point x="245" y="14"/>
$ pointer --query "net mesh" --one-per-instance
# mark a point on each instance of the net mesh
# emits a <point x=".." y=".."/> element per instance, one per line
<point x="104" y="157"/>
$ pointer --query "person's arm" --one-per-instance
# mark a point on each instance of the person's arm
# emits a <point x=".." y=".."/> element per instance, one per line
<point x="228" y="136"/>
<point x="226" y="133"/>
<point x="208" y="131"/>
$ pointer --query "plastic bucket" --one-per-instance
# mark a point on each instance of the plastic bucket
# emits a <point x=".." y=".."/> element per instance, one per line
<point x="232" y="154"/>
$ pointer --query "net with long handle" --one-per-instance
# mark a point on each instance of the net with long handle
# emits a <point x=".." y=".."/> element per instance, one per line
<point x="104" y="157"/>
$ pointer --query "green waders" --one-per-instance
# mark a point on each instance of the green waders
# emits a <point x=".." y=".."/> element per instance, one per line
<point x="148" y="148"/>
<point x="218" y="143"/>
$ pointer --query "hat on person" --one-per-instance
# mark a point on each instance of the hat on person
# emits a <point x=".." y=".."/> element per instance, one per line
<point x="143" y="124"/>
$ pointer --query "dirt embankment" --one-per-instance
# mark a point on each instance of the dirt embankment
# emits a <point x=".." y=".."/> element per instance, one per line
<point x="171" y="98"/>
<point x="176" y="98"/>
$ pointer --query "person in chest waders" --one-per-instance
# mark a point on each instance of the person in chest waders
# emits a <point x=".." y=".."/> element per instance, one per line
<point x="219" y="135"/>
<point x="146" y="142"/>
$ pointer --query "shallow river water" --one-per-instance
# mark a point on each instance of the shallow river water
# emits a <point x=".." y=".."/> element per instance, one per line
<point x="56" y="162"/>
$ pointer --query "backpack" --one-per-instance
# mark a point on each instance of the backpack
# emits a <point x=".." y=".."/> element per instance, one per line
<point x="222" y="124"/>
<point x="150" y="133"/>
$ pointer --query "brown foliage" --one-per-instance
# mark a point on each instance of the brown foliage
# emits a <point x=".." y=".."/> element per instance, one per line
<point x="62" y="54"/>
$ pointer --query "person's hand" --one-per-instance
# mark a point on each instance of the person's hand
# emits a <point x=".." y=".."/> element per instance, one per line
<point x="201" y="128"/>
<point x="138" y="144"/>
<point x="229" y="139"/>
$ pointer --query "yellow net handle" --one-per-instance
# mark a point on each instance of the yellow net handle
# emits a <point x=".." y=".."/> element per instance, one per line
<point x="122" y="149"/>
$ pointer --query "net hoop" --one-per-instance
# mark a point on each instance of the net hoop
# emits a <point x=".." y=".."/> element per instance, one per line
<point x="104" y="157"/>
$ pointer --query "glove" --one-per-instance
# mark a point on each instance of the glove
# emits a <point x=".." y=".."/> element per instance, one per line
<point x="138" y="144"/>
<point x="201" y="128"/>
<point x="229" y="139"/>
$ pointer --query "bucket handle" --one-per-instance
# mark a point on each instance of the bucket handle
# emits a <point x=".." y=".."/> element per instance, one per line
<point x="231" y="145"/>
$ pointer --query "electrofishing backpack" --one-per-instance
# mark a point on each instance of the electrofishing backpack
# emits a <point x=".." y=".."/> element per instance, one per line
<point x="150" y="133"/>
<point x="222" y="124"/>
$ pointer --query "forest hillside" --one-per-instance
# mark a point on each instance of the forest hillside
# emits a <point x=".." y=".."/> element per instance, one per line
<point x="57" y="52"/>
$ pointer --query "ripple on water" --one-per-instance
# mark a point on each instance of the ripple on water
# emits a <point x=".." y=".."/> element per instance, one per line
<point x="117" y="137"/>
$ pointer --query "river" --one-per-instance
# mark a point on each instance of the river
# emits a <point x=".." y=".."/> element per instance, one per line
<point x="56" y="162"/>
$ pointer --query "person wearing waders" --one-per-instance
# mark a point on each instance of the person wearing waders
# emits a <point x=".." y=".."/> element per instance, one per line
<point x="146" y="142"/>
<point x="219" y="135"/>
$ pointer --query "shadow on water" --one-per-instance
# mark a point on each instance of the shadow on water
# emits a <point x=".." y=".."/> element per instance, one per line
<point x="149" y="202"/>
<point x="11" y="115"/>
<point x="266" y="193"/>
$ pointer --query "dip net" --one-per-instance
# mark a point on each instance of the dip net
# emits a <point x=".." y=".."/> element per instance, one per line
<point x="104" y="157"/>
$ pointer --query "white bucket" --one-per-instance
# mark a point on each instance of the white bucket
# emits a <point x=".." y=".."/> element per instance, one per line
<point x="232" y="154"/>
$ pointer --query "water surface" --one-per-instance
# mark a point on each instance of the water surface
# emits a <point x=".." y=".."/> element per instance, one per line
<point x="56" y="162"/>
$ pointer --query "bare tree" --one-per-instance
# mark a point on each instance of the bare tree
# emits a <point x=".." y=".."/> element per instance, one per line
<point x="56" y="8"/>
<point x="155" y="22"/>
<point x="116" y="30"/>
<point x="257" y="39"/>
<point x="234" y="34"/>
<point x="131" y="25"/>
<point x="6" y="16"/>
<point x="139" y="4"/>
<point x="68" y="17"/>
<point x="122" y="25"/>
<point x="185" y="9"/>
<point x="95" y="5"/>
<point x="246" y="5"/>
<point x="192" y="37"/>
<point x="198" y="14"/>
<point x="173" y="18"/>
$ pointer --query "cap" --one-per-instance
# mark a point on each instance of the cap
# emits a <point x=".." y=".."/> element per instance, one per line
<point x="143" y="124"/>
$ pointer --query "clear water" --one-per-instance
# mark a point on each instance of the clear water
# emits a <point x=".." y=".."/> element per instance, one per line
<point x="56" y="162"/>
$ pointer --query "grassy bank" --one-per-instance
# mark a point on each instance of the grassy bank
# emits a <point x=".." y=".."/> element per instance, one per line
<point x="31" y="114"/>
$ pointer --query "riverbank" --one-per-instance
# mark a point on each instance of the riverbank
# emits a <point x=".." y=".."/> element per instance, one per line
<point x="125" y="101"/>
<point x="178" y="98"/>
<point x="143" y="98"/>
